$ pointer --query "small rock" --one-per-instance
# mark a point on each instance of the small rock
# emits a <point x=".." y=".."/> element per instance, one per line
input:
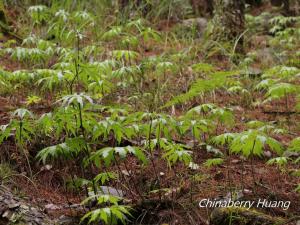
<point x="46" y="167"/>
<point x="112" y="191"/>
<point x="235" y="161"/>
<point x="126" y="173"/>
<point x="268" y="154"/>
<point x="161" y="173"/>
<point x="13" y="205"/>
<point x="66" y="220"/>
<point x="52" y="207"/>
<point x="108" y="191"/>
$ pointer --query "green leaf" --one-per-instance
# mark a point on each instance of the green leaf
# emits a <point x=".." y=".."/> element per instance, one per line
<point x="213" y="162"/>
<point x="295" y="145"/>
<point x="279" y="161"/>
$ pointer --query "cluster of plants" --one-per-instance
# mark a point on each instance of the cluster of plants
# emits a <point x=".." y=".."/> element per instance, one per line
<point x="111" y="105"/>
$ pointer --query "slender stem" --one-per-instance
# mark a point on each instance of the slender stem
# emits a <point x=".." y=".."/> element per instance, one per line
<point x="22" y="148"/>
<point x="152" y="157"/>
<point x="194" y="138"/>
<point x="229" y="173"/>
<point x="86" y="146"/>
<point x="242" y="175"/>
<point x="252" y="166"/>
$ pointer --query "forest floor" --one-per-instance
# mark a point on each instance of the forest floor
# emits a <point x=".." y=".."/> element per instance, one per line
<point x="234" y="174"/>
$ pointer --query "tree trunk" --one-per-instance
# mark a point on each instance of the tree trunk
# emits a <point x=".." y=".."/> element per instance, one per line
<point x="229" y="22"/>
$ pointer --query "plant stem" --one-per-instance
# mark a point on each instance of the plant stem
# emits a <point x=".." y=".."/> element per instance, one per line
<point x="22" y="148"/>
<point x="252" y="166"/>
<point x="152" y="157"/>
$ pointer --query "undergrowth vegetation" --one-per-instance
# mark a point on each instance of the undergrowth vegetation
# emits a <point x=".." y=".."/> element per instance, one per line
<point x="120" y="103"/>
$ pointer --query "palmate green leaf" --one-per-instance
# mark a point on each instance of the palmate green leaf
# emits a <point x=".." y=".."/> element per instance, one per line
<point x="54" y="151"/>
<point x="196" y="127"/>
<point x="254" y="124"/>
<point x="112" y="214"/>
<point x="64" y="121"/>
<point x="66" y="150"/>
<point x="223" y="115"/>
<point x="79" y="99"/>
<point x="264" y="84"/>
<point x="107" y="154"/>
<point x="138" y="24"/>
<point x="281" y="72"/>
<point x="22" y="113"/>
<point x="235" y="89"/>
<point x="177" y="152"/>
<point x="161" y="142"/>
<point x="253" y="142"/>
<point x="38" y="13"/>
<point x="126" y="71"/>
<point x="112" y="34"/>
<point x="26" y="130"/>
<point x="165" y="67"/>
<point x="5" y="132"/>
<point x="201" y="86"/>
<point x="126" y="55"/>
<point x="279" y="161"/>
<point x="162" y="124"/>
<point x="83" y="18"/>
<point x="203" y="68"/>
<point x="223" y="139"/>
<point x="150" y="34"/>
<point x="213" y="162"/>
<point x="280" y="90"/>
<point x="100" y="86"/>
<point x="294" y="145"/>
<point x="102" y="198"/>
<point x="80" y="183"/>
<point x="274" y="145"/>
<point x="52" y="78"/>
<point x="265" y="127"/>
<point x="105" y="177"/>
<point x="204" y="108"/>
<point x="33" y="55"/>
<point x="131" y="41"/>
<point x="117" y="129"/>
<point x="30" y="40"/>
